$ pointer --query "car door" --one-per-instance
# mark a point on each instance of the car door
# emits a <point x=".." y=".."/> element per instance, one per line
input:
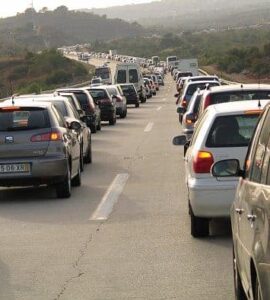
<point x="252" y="221"/>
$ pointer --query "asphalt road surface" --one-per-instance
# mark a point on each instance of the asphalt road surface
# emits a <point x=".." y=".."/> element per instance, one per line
<point x="125" y="233"/>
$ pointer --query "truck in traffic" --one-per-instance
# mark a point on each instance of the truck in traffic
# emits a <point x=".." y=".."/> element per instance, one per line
<point x="170" y="61"/>
<point x="188" y="65"/>
<point x="104" y="72"/>
<point x="130" y="73"/>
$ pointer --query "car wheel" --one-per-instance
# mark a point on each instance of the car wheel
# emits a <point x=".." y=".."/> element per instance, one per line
<point x="238" y="287"/>
<point x="81" y="161"/>
<point x="180" y="118"/>
<point x="94" y="128"/>
<point x="63" y="189"/>
<point x="154" y="93"/>
<point x="112" y="121"/>
<point x="137" y="104"/>
<point x="123" y="114"/>
<point x="199" y="226"/>
<point x="143" y="100"/>
<point x="88" y="157"/>
<point x="99" y="125"/>
<point x="76" y="181"/>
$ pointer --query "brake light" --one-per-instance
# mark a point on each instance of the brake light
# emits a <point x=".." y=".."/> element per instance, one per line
<point x="118" y="99"/>
<point x="207" y="101"/>
<point x="203" y="162"/>
<point x="190" y="119"/>
<point x="47" y="137"/>
<point x="10" y="108"/>
<point x="253" y="112"/>
<point x="184" y="103"/>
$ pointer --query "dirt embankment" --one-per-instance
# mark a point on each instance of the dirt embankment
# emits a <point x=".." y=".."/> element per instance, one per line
<point x="242" y="78"/>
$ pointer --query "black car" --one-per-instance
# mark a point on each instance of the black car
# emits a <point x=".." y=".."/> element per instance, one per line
<point x="106" y="103"/>
<point x="131" y="94"/>
<point x="91" y="109"/>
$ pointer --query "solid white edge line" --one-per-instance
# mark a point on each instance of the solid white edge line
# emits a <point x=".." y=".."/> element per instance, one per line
<point x="149" y="127"/>
<point x="110" y="198"/>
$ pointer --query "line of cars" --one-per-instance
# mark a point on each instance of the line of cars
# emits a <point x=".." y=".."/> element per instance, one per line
<point x="46" y="139"/>
<point x="226" y="138"/>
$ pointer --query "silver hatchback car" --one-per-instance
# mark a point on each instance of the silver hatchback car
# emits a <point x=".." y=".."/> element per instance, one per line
<point x="38" y="147"/>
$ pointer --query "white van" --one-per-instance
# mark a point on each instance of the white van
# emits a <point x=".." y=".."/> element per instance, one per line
<point x="130" y="73"/>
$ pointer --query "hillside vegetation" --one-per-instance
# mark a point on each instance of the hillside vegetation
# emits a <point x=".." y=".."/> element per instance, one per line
<point x="193" y="14"/>
<point x="33" y="73"/>
<point x="46" y="29"/>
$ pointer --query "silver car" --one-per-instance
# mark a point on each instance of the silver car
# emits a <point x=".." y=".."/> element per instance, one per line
<point x="37" y="147"/>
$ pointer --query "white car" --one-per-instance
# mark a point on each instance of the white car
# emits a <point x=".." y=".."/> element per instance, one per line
<point x="222" y="132"/>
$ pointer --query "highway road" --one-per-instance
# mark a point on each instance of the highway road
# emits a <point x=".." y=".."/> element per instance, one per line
<point x="125" y="233"/>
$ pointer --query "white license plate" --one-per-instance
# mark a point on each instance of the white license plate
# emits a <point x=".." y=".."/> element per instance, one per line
<point x="15" y="168"/>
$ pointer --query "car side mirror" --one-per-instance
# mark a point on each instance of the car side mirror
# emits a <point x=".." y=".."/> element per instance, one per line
<point x="227" y="168"/>
<point x="75" y="125"/>
<point x="181" y="110"/>
<point x="180" y="140"/>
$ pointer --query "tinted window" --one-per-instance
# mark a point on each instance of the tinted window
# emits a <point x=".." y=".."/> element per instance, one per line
<point x="83" y="100"/>
<point x="112" y="91"/>
<point x="60" y="106"/>
<point x="239" y="96"/>
<point x="128" y="89"/>
<point x="232" y="131"/>
<point x="133" y="76"/>
<point x="193" y="87"/>
<point x="121" y="76"/>
<point x="98" y="94"/>
<point x="103" y="73"/>
<point x="24" y="119"/>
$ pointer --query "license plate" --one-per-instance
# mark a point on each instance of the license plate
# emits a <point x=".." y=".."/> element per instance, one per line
<point x="15" y="168"/>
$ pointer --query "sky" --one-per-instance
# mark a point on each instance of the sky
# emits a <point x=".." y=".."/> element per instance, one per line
<point x="11" y="7"/>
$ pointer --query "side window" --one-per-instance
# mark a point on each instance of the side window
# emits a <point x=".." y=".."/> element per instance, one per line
<point x="133" y="76"/>
<point x="121" y="76"/>
<point x="59" y="118"/>
<point x="74" y="111"/>
<point x="199" y="124"/>
<point x="257" y="154"/>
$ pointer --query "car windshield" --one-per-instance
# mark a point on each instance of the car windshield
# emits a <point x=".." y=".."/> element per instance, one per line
<point x="240" y="129"/>
<point x="23" y="119"/>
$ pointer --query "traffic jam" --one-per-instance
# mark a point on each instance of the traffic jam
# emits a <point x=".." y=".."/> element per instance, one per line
<point x="224" y="131"/>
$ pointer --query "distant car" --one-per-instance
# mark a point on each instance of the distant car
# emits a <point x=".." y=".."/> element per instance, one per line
<point x="107" y="104"/>
<point x="121" y="102"/>
<point x="91" y="109"/>
<point x="130" y="93"/>
<point x="188" y="91"/>
<point x="160" y="80"/>
<point x="224" y="131"/>
<point x="39" y="147"/>
<point x="250" y="214"/>
<point x="96" y="82"/>
<point x="148" y="89"/>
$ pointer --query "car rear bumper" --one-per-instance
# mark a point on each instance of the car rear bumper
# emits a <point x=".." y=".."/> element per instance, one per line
<point x="134" y="100"/>
<point x="43" y="170"/>
<point x="210" y="198"/>
<point x="107" y="114"/>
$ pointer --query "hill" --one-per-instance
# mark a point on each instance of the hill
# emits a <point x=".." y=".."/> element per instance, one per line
<point x="38" y="72"/>
<point x="193" y="14"/>
<point x="45" y="29"/>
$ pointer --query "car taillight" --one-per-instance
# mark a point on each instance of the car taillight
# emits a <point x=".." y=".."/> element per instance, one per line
<point x="203" y="162"/>
<point x="118" y="99"/>
<point x="105" y="101"/>
<point x="207" y="101"/>
<point x="189" y="119"/>
<point x="184" y="103"/>
<point x="47" y="137"/>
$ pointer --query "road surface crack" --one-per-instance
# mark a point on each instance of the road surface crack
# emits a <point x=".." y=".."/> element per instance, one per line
<point x="75" y="264"/>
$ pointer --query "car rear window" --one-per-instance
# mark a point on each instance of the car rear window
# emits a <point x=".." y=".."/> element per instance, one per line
<point x="128" y="89"/>
<point x="121" y="76"/>
<point x="232" y="131"/>
<point x="202" y="86"/>
<point x="232" y="96"/>
<point x="133" y="76"/>
<point x="98" y="94"/>
<point x="83" y="100"/>
<point x="26" y="118"/>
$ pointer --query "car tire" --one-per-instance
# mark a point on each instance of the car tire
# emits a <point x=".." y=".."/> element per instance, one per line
<point x="93" y="129"/>
<point x="238" y="287"/>
<point x="112" y="121"/>
<point x="137" y="104"/>
<point x="180" y="118"/>
<point x="199" y="226"/>
<point x="88" y="157"/>
<point x="99" y="125"/>
<point x="81" y="161"/>
<point x="63" y="189"/>
<point x="123" y="114"/>
<point x="76" y="181"/>
<point x="154" y="93"/>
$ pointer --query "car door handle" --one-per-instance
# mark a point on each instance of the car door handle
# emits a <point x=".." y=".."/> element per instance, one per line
<point x="251" y="218"/>
<point x="239" y="211"/>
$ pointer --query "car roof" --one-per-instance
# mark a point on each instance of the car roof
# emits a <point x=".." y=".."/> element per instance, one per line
<point x="240" y="87"/>
<point x="188" y="83"/>
<point x="27" y="102"/>
<point x="237" y="107"/>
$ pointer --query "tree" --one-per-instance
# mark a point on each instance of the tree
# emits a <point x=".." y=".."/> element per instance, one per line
<point x="61" y="9"/>
<point x="43" y="10"/>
